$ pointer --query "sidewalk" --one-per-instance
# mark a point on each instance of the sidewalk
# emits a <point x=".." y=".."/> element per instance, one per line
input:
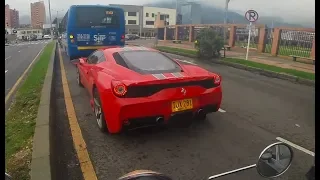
<point x="253" y="56"/>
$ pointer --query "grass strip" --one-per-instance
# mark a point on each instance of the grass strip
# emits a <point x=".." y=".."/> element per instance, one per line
<point x="21" y="118"/>
<point x="297" y="73"/>
<point x="179" y="51"/>
<point x="293" y="72"/>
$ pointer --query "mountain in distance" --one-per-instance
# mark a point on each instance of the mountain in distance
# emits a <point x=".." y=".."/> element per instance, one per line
<point x="214" y="15"/>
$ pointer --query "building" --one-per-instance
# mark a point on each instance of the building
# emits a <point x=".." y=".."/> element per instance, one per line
<point x="11" y="17"/>
<point x="27" y="33"/>
<point x="132" y="17"/>
<point x="190" y="13"/>
<point x="38" y="14"/>
<point x="150" y="15"/>
<point x="7" y="16"/>
<point x="144" y="18"/>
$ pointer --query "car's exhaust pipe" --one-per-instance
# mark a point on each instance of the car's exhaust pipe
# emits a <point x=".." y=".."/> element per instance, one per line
<point x="201" y="114"/>
<point x="126" y="122"/>
<point x="159" y="120"/>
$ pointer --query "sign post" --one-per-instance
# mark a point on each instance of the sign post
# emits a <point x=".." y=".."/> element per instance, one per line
<point x="251" y="16"/>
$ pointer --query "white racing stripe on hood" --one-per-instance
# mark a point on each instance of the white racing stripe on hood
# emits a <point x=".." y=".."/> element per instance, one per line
<point x="177" y="74"/>
<point x="159" y="76"/>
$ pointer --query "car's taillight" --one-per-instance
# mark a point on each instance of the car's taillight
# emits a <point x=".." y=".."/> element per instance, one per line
<point x="118" y="88"/>
<point x="217" y="80"/>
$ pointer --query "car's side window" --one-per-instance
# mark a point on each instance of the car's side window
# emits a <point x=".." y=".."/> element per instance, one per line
<point x="93" y="59"/>
<point x="101" y="57"/>
<point x="89" y="58"/>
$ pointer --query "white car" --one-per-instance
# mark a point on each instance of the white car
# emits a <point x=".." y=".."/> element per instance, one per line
<point x="46" y="37"/>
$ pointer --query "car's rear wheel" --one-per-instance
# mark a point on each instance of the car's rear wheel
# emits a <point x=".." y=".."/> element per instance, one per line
<point x="98" y="112"/>
<point x="79" y="78"/>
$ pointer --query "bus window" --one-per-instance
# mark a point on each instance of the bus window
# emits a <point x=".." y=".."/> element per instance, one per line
<point x="96" y="17"/>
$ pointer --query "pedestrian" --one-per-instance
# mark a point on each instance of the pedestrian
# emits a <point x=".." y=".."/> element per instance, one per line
<point x="196" y="44"/>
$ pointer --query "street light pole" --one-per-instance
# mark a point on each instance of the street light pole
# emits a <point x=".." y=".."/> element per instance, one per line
<point x="57" y="23"/>
<point x="176" y="10"/>
<point x="51" y="32"/>
<point x="225" y="21"/>
<point x="140" y="22"/>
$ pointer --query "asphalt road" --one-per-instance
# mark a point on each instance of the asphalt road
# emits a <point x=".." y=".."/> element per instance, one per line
<point x="257" y="109"/>
<point x="17" y="59"/>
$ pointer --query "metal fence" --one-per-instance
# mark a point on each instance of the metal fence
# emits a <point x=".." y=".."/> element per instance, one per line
<point x="295" y="43"/>
<point x="183" y="33"/>
<point x="292" y="42"/>
<point x="242" y="35"/>
<point x="269" y="40"/>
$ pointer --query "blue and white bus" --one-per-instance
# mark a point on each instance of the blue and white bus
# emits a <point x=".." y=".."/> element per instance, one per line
<point x="90" y="27"/>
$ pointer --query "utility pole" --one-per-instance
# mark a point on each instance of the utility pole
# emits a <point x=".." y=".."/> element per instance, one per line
<point x="225" y="21"/>
<point x="57" y="22"/>
<point x="51" y="32"/>
<point x="177" y="13"/>
<point x="140" y="22"/>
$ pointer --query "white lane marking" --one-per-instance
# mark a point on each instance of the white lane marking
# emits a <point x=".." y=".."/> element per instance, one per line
<point x="6" y="71"/>
<point x="296" y="146"/>
<point x="221" y="110"/>
<point x="232" y="171"/>
<point x="8" y="58"/>
<point x="187" y="62"/>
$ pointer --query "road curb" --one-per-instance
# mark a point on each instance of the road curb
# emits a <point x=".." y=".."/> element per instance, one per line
<point x="263" y="72"/>
<point x="40" y="163"/>
<point x="267" y="73"/>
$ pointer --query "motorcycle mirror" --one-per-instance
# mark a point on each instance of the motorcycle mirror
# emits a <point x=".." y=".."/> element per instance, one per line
<point x="274" y="160"/>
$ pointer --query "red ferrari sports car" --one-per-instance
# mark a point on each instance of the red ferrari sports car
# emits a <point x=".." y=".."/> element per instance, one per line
<point x="138" y="87"/>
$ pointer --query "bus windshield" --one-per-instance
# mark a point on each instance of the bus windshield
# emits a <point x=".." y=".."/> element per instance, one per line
<point x="95" y="17"/>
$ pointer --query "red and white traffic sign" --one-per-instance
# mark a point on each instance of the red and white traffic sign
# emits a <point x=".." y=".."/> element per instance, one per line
<point x="252" y="16"/>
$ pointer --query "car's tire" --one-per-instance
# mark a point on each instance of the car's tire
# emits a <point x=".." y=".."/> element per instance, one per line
<point x="98" y="112"/>
<point x="79" y="78"/>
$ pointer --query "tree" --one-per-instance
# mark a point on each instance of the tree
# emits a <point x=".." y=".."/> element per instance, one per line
<point x="209" y="43"/>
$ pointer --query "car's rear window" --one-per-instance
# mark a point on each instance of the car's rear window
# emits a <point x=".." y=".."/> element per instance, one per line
<point x="149" y="62"/>
<point x="91" y="17"/>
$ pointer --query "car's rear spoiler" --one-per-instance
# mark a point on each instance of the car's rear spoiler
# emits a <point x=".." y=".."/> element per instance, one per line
<point x="167" y="80"/>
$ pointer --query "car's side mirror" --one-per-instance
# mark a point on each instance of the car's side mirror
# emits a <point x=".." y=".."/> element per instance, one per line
<point x="79" y="61"/>
<point x="83" y="60"/>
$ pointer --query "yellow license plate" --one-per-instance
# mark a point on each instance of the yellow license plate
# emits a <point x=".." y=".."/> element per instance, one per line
<point x="181" y="105"/>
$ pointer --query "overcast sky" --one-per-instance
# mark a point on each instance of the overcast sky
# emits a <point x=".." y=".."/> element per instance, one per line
<point x="295" y="11"/>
